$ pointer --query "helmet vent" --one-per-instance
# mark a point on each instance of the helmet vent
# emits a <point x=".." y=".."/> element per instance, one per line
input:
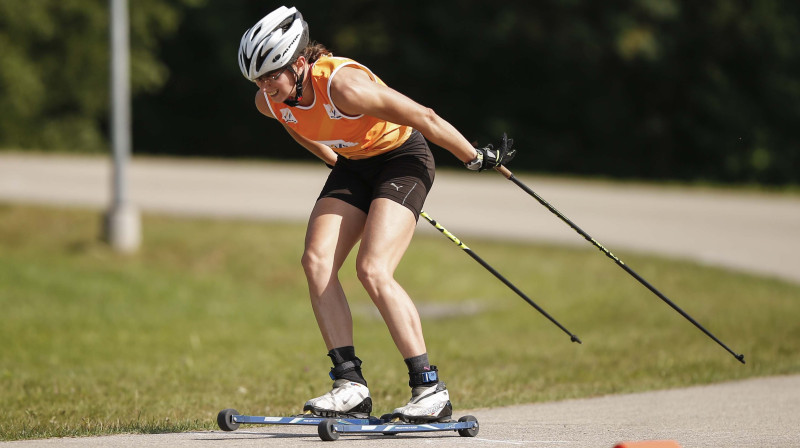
<point x="261" y="57"/>
<point x="284" y="26"/>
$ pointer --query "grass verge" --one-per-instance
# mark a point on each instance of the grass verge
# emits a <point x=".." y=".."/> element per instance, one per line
<point x="213" y="314"/>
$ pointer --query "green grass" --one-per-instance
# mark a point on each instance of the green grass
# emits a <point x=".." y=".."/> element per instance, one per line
<point x="213" y="314"/>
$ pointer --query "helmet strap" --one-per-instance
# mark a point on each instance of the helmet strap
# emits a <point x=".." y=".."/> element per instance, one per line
<point x="293" y="102"/>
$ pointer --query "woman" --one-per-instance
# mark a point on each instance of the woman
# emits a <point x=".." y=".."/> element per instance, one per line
<point x="381" y="171"/>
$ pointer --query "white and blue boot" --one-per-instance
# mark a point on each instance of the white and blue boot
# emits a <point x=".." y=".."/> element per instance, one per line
<point x="430" y="401"/>
<point x="346" y="399"/>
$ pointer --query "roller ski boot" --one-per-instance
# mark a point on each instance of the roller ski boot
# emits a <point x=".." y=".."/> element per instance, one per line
<point x="346" y="399"/>
<point x="427" y="404"/>
<point x="430" y="401"/>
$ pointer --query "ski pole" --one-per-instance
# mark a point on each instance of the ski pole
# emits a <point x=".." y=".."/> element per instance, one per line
<point x="510" y="176"/>
<point x="486" y="265"/>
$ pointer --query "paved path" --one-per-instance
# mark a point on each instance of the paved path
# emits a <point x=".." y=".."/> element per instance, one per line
<point x="756" y="413"/>
<point x="751" y="232"/>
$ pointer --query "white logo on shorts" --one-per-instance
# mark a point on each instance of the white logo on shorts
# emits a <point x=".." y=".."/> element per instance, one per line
<point x="397" y="187"/>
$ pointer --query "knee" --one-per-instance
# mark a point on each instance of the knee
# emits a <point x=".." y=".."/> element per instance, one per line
<point x="370" y="274"/>
<point x="315" y="265"/>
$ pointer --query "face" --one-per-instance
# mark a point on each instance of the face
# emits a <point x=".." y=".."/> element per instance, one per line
<point x="275" y="84"/>
<point x="278" y="85"/>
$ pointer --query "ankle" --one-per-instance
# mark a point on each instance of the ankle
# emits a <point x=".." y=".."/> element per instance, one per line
<point x="346" y="365"/>
<point x="420" y="372"/>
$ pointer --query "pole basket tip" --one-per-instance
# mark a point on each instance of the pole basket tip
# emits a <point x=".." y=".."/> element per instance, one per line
<point x="740" y="358"/>
<point x="574" y="338"/>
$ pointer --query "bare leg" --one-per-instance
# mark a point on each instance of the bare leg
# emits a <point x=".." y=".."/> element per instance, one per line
<point x="333" y="230"/>
<point x="387" y="234"/>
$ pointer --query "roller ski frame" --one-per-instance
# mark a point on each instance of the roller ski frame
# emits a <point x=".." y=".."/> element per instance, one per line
<point x="329" y="429"/>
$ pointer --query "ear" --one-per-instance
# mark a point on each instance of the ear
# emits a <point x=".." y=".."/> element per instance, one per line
<point x="299" y="64"/>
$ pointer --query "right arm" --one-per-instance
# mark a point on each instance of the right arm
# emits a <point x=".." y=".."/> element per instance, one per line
<point x="318" y="149"/>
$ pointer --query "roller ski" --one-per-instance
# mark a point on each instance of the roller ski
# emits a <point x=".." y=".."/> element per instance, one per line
<point x="329" y="429"/>
<point x="346" y="408"/>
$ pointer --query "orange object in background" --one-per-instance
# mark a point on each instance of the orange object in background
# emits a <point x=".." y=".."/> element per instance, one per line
<point x="649" y="444"/>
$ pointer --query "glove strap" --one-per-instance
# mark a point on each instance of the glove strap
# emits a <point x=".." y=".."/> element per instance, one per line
<point x="476" y="163"/>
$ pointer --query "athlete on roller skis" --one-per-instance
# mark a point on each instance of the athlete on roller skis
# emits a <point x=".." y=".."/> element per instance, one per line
<point x="374" y="140"/>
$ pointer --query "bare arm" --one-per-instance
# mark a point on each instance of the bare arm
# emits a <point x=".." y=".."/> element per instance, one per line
<point x="354" y="93"/>
<point x="318" y="149"/>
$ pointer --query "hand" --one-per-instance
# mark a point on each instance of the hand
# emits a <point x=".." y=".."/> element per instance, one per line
<point x="489" y="157"/>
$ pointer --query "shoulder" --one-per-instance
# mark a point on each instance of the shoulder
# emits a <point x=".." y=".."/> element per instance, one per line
<point x="261" y="104"/>
<point x="331" y="63"/>
<point x="332" y="67"/>
<point x="355" y="93"/>
<point x="350" y="78"/>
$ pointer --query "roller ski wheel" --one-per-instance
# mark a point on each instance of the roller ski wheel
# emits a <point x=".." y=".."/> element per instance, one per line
<point x="468" y="432"/>
<point x="225" y="420"/>
<point x="326" y="430"/>
<point x="387" y="418"/>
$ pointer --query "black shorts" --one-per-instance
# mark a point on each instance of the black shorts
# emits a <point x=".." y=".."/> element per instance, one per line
<point x="404" y="175"/>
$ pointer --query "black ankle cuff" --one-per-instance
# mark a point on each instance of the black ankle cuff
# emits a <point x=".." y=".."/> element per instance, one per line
<point x="424" y="378"/>
<point x="348" y="370"/>
<point x="342" y="354"/>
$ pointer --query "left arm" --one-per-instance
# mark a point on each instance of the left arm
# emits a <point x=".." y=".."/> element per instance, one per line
<point x="354" y="93"/>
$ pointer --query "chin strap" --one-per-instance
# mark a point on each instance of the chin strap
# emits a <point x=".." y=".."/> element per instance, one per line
<point x="298" y="89"/>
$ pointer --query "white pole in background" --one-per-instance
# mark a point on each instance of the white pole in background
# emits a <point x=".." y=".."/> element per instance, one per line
<point x="123" y="229"/>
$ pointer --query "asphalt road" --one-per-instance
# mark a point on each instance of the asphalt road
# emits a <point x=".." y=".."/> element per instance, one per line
<point x="757" y="413"/>
<point x="748" y="232"/>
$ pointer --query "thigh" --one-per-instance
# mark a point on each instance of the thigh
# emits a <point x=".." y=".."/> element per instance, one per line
<point x="346" y="184"/>
<point x="387" y="233"/>
<point x="333" y="229"/>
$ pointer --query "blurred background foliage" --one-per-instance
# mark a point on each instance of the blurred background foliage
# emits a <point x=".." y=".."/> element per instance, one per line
<point x="648" y="89"/>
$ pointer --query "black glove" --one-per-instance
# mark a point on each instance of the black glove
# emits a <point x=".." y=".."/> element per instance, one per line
<point x="489" y="157"/>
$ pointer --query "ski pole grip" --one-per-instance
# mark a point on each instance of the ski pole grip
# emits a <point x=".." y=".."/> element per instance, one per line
<point x="504" y="171"/>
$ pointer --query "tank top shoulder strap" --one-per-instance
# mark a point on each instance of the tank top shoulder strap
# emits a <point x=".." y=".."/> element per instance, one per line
<point x="328" y="67"/>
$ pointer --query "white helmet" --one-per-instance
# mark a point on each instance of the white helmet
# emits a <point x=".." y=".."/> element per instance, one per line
<point x="273" y="42"/>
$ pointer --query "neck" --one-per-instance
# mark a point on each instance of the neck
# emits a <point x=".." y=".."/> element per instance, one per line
<point x="308" y="89"/>
<point x="305" y="95"/>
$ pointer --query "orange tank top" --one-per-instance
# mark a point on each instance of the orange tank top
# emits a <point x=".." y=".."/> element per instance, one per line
<point x="361" y="136"/>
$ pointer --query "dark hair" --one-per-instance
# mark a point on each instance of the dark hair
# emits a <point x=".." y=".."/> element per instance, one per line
<point x="314" y="51"/>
